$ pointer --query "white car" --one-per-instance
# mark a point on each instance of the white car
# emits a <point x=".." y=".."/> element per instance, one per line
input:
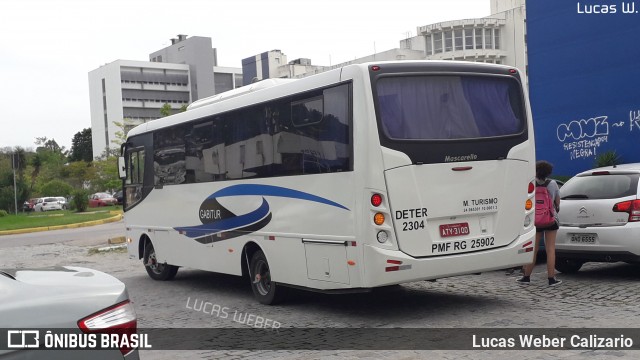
<point x="599" y="218"/>
<point x="63" y="202"/>
<point x="46" y="204"/>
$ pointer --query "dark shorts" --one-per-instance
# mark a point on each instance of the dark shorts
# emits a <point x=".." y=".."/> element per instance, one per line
<point x="548" y="228"/>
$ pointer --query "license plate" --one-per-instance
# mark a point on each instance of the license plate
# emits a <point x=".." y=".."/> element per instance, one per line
<point x="583" y="238"/>
<point x="457" y="229"/>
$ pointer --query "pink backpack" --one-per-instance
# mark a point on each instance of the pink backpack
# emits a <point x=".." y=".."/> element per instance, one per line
<point x="544" y="206"/>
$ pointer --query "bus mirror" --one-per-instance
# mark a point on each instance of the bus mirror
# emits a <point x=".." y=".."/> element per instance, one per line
<point x="122" y="170"/>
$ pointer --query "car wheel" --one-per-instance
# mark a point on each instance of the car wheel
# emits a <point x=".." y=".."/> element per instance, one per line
<point x="265" y="291"/>
<point x="568" y="266"/>
<point x="156" y="270"/>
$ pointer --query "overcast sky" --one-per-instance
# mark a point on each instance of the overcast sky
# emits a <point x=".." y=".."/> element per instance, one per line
<point x="48" y="47"/>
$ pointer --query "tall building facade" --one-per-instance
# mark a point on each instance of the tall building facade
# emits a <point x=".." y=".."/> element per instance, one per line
<point x="498" y="38"/>
<point x="133" y="92"/>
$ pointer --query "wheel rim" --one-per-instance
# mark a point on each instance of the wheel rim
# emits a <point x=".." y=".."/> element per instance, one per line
<point x="263" y="285"/>
<point x="152" y="263"/>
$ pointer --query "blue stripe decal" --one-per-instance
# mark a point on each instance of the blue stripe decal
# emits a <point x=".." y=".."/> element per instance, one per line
<point x="269" y="190"/>
<point x="227" y="224"/>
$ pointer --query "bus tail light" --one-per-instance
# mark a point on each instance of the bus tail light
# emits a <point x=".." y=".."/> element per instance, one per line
<point x="378" y="219"/>
<point x="631" y="207"/>
<point x="528" y="205"/>
<point x="118" y="319"/>
<point x="376" y="200"/>
<point x="532" y="188"/>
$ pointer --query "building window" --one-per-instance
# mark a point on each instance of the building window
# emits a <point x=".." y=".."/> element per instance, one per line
<point x="478" y="38"/>
<point x="457" y="38"/>
<point x="437" y="43"/>
<point x="468" y="39"/>
<point x="488" y="39"/>
<point x="429" y="46"/>
<point x="448" y="41"/>
<point x="496" y="38"/>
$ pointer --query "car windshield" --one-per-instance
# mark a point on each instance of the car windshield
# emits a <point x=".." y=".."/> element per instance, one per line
<point x="611" y="186"/>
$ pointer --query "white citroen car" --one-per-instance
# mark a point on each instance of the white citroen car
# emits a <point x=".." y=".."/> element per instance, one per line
<point x="599" y="217"/>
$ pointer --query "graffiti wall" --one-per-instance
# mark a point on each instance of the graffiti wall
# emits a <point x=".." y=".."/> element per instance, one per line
<point x="584" y="80"/>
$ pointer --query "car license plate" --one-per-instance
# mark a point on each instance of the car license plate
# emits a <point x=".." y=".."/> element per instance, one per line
<point x="457" y="229"/>
<point x="583" y="238"/>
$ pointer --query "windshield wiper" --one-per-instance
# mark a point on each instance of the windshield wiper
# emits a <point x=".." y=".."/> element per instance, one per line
<point x="576" y="196"/>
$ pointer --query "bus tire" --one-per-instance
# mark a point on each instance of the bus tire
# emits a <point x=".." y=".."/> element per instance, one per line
<point x="155" y="270"/>
<point x="264" y="290"/>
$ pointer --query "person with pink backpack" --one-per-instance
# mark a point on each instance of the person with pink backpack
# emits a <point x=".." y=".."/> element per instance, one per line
<point x="547" y="206"/>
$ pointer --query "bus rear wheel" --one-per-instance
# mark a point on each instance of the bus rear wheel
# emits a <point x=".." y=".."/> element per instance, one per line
<point x="265" y="291"/>
<point x="156" y="270"/>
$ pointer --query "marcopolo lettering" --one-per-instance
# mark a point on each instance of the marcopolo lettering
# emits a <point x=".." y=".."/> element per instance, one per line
<point x="469" y="157"/>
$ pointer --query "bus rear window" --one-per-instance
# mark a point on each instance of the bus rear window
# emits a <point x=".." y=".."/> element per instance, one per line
<point x="449" y="107"/>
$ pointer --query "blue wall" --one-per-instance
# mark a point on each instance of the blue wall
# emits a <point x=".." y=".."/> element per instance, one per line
<point x="584" y="80"/>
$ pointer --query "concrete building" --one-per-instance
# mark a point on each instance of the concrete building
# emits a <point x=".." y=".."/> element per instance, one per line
<point x="133" y="92"/>
<point x="201" y="57"/>
<point x="498" y="38"/>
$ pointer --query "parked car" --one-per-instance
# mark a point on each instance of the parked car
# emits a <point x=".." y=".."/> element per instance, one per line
<point x="101" y="199"/>
<point x="599" y="217"/>
<point x="29" y="204"/>
<point x="63" y="202"/>
<point x="118" y="196"/>
<point x="47" y="203"/>
<point x="78" y="300"/>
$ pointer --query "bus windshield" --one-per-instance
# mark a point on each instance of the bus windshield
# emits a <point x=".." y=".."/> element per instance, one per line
<point x="449" y="107"/>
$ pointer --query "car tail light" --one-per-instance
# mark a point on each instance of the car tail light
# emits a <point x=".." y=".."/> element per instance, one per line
<point x="117" y="319"/>
<point x="632" y="207"/>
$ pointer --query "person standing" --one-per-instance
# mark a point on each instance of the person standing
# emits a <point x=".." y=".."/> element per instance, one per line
<point x="543" y="170"/>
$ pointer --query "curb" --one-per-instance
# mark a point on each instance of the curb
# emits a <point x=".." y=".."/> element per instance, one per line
<point x="118" y="217"/>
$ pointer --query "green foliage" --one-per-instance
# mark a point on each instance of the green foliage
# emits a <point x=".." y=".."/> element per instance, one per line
<point x="165" y="110"/>
<point x="80" y="200"/>
<point x="81" y="147"/>
<point x="3" y="213"/>
<point x="56" y="187"/>
<point x="608" y="158"/>
<point x="106" y="175"/>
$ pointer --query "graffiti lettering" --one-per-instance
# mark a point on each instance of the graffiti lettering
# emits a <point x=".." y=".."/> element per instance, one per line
<point x="634" y="120"/>
<point x="580" y="129"/>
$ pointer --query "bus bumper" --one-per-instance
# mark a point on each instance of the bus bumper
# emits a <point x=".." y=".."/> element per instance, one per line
<point x="388" y="267"/>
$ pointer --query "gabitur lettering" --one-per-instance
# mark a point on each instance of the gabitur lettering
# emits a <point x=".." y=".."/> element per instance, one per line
<point x="411" y="213"/>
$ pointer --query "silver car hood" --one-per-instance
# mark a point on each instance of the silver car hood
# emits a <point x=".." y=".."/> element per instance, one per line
<point x="55" y="297"/>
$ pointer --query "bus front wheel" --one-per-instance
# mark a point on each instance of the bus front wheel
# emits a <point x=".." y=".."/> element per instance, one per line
<point x="156" y="270"/>
<point x="265" y="291"/>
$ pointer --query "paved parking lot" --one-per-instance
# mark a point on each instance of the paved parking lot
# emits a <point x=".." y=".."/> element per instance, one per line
<point x="599" y="296"/>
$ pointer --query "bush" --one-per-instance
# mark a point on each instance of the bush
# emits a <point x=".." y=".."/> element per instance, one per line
<point x="607" y="158"/>
<point x="80" y="200"/>
<point x="56" y="188"/>
<point x="3" y="213"/>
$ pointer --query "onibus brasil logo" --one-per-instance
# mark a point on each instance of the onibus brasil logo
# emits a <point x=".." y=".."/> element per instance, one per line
<point x="219" y="223"/>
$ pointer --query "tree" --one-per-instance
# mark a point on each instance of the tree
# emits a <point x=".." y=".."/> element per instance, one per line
<point x="56" y="187"/>
<point x="165" y="110"/>
<point x="81" y="147"/>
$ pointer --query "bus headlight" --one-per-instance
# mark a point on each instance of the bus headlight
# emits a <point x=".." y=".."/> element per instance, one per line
<point x="382" y="237"/>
